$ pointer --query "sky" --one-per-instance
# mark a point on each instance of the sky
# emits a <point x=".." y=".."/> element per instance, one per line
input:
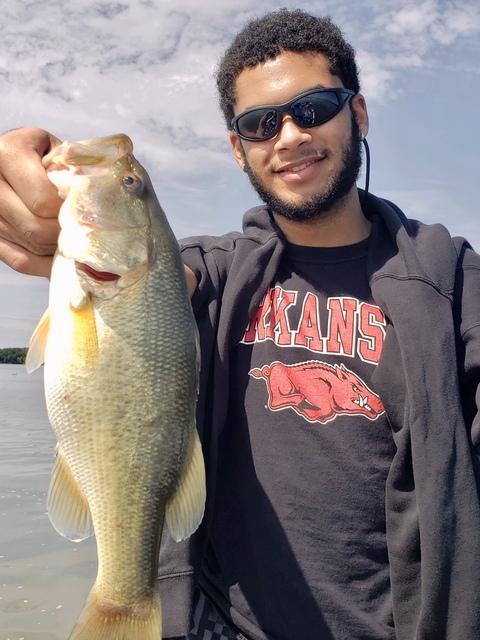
<point x="84" y="69"/>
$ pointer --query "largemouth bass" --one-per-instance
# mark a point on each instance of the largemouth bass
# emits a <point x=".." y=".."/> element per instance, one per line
<point x="120" y="348"/>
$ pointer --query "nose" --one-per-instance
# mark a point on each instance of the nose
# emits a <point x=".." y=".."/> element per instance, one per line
<point x="290" y="134"/>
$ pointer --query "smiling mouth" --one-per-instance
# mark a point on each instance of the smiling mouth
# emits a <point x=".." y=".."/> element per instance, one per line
<point x="303" y="166"/>
<point x="298" y="167"/>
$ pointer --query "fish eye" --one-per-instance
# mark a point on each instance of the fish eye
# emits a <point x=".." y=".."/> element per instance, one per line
<point x="131" y="182"/>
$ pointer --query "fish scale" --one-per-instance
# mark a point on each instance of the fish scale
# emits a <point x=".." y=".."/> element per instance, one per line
<point x="120" y="347"/>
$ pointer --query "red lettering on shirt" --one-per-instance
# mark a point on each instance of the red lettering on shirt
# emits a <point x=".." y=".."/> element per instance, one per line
<point x="342" y="325"/>
<point x="308" y="332"/>
<point x="372" y="332"/>
<point x="278" y="327"/>
<point x="255" y="331"/>
<point x="353" y="327"/>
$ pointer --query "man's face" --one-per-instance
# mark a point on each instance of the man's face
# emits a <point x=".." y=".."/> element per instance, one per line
<point x="301" y="173"/>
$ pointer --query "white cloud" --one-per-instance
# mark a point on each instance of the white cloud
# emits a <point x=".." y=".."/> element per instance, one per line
<point x="139" y="66"/>
<point x="88" y="68"/>
<point x="458" y="21"/>
<point x="415" y="36"/>
<point x="376" y="79"/>
<point x="421" y="25"/>
<point x="410" y="19"/>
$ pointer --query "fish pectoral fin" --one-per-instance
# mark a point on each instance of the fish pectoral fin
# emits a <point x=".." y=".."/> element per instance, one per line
<point x="36" y="352"/>
<point x="79" y="298"/>
<point x="85" y="335"/>
<point x="184" y="510"/>
<point x="67" y="507"/>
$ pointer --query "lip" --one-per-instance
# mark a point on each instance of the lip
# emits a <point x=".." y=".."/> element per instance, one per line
<point x="300" y="170"/>
<point x="300" y="164"/>
<point x="100" y="276"/>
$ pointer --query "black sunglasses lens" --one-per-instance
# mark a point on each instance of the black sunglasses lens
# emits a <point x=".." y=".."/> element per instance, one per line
<point x="259" y="124"/>
<point x="315" y="108"/>
<point x="310" y="110"/>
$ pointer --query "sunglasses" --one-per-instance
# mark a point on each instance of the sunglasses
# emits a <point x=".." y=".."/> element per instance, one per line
<point x="309" y="109"/>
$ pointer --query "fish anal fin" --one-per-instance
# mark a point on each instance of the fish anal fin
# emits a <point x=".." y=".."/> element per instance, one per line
<point x="103" y="618"/>
<point x="67" y="506"/>
<point x="36" y="352"/>
<point x="184" y="510"/>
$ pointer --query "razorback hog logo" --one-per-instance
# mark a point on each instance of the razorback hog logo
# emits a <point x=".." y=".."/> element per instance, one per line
<point x="318" y="391"/>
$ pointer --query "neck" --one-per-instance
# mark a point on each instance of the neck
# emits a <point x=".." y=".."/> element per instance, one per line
<point x="342" y="225"/>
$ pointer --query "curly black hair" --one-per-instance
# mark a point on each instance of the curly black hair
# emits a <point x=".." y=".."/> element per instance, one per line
<point x="284" y="30"/>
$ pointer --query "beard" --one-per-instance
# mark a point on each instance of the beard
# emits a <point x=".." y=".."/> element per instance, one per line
<point x="338" y="185"/>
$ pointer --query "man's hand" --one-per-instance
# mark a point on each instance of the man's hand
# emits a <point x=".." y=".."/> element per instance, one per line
<point x="29" y="203"/>
<point x="191" y="281"/>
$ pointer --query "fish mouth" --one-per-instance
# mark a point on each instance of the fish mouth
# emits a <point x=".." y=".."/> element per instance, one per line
<point x="99" y="276"/>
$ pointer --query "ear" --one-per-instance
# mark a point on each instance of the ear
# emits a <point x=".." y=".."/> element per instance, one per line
<point x="360" y="109"/>
<point x="237" y="148"/>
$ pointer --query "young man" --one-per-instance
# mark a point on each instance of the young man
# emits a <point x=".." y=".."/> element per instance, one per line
<point x="340" y="366"/>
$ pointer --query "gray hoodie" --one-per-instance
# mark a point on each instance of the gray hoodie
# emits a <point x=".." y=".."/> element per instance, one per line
<point x="428" y="286"/>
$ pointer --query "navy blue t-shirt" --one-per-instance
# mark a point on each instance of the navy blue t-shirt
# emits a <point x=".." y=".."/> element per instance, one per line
<point x="298" y="543"/>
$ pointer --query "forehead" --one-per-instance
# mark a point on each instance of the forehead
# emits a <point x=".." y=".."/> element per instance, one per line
<point x="282" y="78"/>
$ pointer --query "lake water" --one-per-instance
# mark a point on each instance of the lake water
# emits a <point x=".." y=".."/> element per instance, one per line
<point x="44" y="578"/>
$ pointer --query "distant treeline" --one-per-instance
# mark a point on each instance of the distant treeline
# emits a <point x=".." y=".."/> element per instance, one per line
<point x="13" y="355"/>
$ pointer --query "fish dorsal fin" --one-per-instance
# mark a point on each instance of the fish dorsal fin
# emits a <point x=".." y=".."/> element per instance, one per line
<point x="67" y="507"/>
<point x="184" y="511"/>
<point x="36" y="352"/>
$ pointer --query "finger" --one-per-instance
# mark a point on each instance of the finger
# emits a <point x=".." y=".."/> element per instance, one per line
<point x="24" y="261"/>
<point x="21" y="168"/>
<point x="39" y="240"/>
<point x="21" y="226"/>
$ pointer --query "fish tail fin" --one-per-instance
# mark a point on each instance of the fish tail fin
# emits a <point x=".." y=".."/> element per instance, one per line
<point x="104" y="619"/>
